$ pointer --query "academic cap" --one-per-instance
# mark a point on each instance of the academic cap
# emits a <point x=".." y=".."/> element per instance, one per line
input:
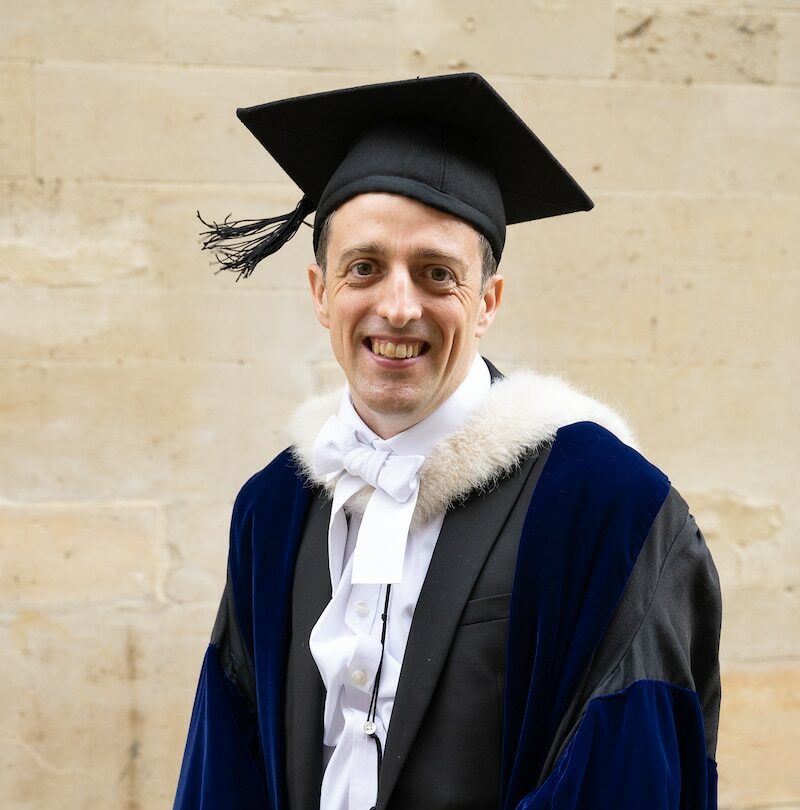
<point x="450" y="142"/>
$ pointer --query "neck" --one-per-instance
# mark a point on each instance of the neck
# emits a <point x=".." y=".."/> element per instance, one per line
<point x="388" y="425"/>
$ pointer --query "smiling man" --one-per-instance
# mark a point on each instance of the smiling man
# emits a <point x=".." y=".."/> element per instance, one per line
<point x="403" y="295"/>
<point x="455" y="589"/>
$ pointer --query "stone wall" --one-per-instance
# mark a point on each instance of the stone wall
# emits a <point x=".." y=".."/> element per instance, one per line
<point x="139" y="390"/>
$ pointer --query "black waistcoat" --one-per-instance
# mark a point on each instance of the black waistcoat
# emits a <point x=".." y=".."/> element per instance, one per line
<point x="444" y="739"/>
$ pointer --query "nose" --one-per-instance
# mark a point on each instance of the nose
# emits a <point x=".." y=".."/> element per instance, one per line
<point x="399" y="299"/>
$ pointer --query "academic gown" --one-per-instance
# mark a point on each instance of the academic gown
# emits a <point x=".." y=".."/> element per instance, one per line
<point x="594" y="683"/>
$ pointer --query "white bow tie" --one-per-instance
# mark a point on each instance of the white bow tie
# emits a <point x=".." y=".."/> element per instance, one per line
<point x="380" y="547"/>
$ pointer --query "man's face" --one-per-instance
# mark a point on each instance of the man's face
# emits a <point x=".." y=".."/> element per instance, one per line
<point x="403" y="300"/>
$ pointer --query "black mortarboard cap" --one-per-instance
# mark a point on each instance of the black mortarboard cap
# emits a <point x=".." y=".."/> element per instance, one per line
<point x="450" y="142"/>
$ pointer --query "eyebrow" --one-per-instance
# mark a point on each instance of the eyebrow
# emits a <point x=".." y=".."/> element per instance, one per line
<point x="432" y="254"/>
<point x="428" y="254"/>
<point x="371" y="248"/>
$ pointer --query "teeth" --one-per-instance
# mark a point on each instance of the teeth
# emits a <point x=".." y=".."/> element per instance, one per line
<point x="400" y="351"/>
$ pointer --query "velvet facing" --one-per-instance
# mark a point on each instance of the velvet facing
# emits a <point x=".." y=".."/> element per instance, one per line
<point x="267" y="524"/>
<point x="588" y="518"/>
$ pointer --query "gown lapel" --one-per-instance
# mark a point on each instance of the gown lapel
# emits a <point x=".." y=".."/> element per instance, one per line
<point x="305" y="692"/>
<point x="466" y="538"/>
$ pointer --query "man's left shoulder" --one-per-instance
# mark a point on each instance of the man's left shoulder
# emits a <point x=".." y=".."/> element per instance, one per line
<point x="589" y="456"/>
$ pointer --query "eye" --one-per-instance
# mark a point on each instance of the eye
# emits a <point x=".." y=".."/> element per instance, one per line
<point x="362" y="269"/>
<point x="440" y="275"/>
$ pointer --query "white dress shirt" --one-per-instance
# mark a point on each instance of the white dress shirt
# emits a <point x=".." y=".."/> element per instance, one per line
<point x="345" y="642"/>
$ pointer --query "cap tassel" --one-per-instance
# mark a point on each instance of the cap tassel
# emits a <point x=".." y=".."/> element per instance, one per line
<point x="240" y="245"/>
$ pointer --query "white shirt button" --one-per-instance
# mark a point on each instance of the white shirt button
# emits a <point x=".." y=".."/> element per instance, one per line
<point x="358" y="677"/>
<point x="362" y="609"/>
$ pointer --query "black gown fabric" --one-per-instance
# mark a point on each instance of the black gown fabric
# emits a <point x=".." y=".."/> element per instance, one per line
<point x="607" y="682"/>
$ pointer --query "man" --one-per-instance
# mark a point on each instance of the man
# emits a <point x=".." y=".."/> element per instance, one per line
<point x="455" y="589"/>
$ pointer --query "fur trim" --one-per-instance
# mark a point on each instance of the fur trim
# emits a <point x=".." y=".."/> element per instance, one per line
<point x="520" y="415"/>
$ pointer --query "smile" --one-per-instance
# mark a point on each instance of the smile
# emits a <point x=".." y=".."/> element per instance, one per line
<point x="395" y="350"/>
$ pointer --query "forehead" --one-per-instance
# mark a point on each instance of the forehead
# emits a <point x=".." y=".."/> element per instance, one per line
<point x="394" y="222"/>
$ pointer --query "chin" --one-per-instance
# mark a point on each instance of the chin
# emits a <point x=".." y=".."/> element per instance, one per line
<point x="389" y="403"/>
<point x="392" y="405"/>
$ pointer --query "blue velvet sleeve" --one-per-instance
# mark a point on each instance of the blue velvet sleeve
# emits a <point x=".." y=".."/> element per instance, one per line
<point x="643" y="747"/>
<point x="219" y="769"/>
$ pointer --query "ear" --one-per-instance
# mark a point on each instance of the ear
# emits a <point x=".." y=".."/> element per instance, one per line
<point x="316" y="279"/>
<point x="491" y="298"/>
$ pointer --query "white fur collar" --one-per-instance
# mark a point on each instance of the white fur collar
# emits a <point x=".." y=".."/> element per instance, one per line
<point x="521" y="414"/>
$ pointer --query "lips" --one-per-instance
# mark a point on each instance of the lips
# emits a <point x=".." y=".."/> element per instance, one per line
<point x="396" y="349"/>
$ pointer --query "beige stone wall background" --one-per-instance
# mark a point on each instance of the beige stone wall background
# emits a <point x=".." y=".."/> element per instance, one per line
<point x="138" y="390"/>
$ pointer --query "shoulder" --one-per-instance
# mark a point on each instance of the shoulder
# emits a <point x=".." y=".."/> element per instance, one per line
<point x="589" y="455"/>
<point x="268" y="516"/>
<point x="520" y="417"/>
<point x="598" y="495"/>
<point x="268" y="487"/>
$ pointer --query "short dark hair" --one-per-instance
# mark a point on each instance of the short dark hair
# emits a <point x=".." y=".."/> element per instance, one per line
<point x="488" y="261"/>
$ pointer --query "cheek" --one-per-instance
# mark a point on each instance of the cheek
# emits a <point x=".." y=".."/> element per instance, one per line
<point x="458" y="323"/>
<point x="344" y="322"/>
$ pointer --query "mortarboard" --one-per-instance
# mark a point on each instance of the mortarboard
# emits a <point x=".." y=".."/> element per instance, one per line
<point x="450" y="142"/>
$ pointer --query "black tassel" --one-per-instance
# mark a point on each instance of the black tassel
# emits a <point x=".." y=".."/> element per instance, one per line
<point x="240" y="245"/>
